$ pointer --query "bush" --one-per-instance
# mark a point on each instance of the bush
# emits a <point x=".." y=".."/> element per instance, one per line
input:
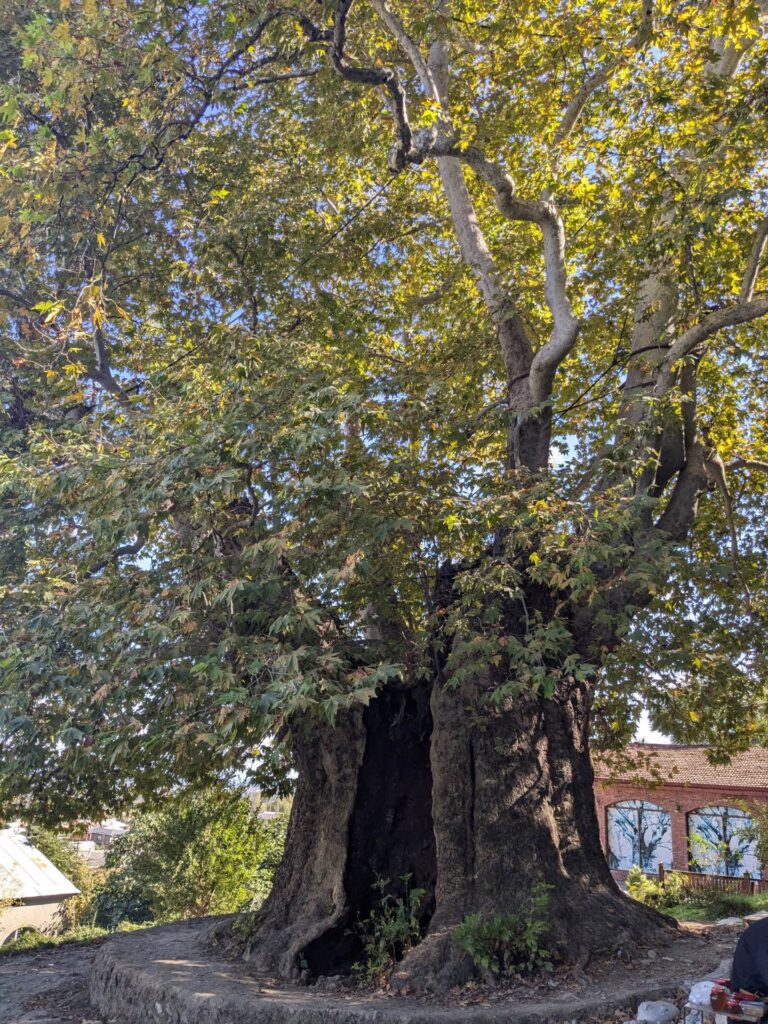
<point x="271" y="845"/>
<point x="203" y="852"/>
<point x="30" y="940"/>
<point x="659" y="895"/>
<point x="509" y="944"/>
<point x="718" y="903"/>
<point x="675" y="891"/>
<point x="390" y="930"/>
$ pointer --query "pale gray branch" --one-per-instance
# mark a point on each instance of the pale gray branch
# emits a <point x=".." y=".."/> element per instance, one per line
<point x="729" y="316"/>
<point x="753" y="262"/>
<point x="743" y="463"/>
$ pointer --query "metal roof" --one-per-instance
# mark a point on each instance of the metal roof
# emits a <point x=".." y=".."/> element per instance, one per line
<point x="25" y="873"/>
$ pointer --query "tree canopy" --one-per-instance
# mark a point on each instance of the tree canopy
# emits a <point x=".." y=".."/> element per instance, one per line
<point x="302" y="308"/>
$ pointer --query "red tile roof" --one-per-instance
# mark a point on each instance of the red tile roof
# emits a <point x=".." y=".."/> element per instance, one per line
<point x="683" y="765"/>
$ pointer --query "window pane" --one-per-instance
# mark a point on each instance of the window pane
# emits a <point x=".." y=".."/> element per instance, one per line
<point x="639" y="833"/>
<point x="721" y="842"/>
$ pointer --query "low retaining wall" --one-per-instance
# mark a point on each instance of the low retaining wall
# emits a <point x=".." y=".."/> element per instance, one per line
<point x="167" y="975"/>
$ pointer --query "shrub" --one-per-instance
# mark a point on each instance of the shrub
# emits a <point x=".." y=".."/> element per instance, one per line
<point x="718" y="903"/>
<point x="389" y="931"/>
<point x="659" y="895"/>
<point x="509" y="944"/>
<point x="202" y="852"/>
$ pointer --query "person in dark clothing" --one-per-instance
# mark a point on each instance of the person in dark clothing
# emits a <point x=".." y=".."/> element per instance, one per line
<point x="750" y="961"/>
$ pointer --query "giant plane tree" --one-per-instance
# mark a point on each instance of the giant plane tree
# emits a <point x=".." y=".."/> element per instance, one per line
<point x="383" y="405"/>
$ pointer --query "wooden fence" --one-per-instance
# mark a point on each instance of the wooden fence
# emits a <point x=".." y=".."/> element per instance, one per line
<point x="743" y="884"/>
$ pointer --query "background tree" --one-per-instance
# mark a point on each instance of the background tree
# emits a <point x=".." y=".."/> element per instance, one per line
<point x="200" y="853"/>
<point x="383" y="386"/>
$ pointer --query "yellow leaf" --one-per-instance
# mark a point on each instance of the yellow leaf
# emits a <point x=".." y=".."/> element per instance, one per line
<point x="694" y="716"/>
<point x="101" y="240"/>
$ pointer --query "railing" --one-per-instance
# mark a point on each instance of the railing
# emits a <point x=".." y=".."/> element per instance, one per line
<point x="744" y="884"/>
<point x="698" y="880"/>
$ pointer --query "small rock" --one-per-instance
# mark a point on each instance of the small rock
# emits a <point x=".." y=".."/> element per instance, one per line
<point x="657" y="1011"/>
<point x="730" y="922"/>
<point x="759" y="915"/>
<point x="330" y="983"/>
<point x="651" y="954"/>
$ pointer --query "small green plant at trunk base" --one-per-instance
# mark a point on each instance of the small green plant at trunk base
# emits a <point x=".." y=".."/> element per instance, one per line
<point x="509" y="944"/>
<point x="388" y="932"/>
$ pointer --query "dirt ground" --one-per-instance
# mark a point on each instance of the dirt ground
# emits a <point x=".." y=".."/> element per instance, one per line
<point x="49" y="987"/>
<point x="696" y="951"/>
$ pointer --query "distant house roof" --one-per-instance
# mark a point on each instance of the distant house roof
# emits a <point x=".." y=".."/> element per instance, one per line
<point x="25" y="873"/>
<point x="110" y="827"/>
<point x="679" y="765"/>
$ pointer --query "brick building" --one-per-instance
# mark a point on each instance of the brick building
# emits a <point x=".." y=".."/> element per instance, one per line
<point x="671" y="806"/>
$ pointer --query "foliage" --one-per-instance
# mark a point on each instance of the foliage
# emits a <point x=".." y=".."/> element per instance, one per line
<point x="199" y="853"/>
<point x="757" y="830"/>
<point x="252" y="395"/>
<point x="77" y="911"/>
<point x="704" y="902"/>
<point x="272" y="835"/>
<point x="654" y="893"/>
<point x="32" y="940"/>
<point x="509" y="944"/>
<point x="721" y="905"/>
<point x="389" y="931"/>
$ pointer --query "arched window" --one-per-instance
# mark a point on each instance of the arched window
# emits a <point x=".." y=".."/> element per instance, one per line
<point x="721" y="841"/>
<point x="639" y="833"/>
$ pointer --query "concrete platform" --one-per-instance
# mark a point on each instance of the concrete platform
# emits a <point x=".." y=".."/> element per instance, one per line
<point x="167" y="975"/>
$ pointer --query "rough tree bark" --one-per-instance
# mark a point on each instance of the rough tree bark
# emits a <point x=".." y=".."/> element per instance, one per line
<point x="361" y="814"/>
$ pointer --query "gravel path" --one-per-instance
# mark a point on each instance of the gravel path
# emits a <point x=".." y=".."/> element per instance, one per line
<point x="49" y="987"/>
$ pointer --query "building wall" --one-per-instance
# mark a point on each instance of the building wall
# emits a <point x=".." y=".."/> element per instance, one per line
<point x="678" y="801"/>
<point x="41" y="915"/>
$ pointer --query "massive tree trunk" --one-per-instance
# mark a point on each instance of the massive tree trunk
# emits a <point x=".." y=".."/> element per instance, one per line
<point x="361" y="814"/>
<point x="513" y="805"/>
<point x="476" y="803"/>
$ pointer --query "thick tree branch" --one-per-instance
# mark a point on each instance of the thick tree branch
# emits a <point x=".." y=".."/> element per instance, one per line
<point x="742" y="463"/>
<point x="409" y="46"/>
<point x="677" y="518"/>
<point x="122" y="551"/>
<point x="15" y="296"/>
<point x="545" y="215"/>
<point x="373" y="76"/>
<point x="729" y="316"/>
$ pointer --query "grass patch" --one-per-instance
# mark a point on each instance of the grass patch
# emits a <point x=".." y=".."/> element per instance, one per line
<point x="29" y="942"/>
<point x="724" y="905"/>
<point x="686" y="912"/>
